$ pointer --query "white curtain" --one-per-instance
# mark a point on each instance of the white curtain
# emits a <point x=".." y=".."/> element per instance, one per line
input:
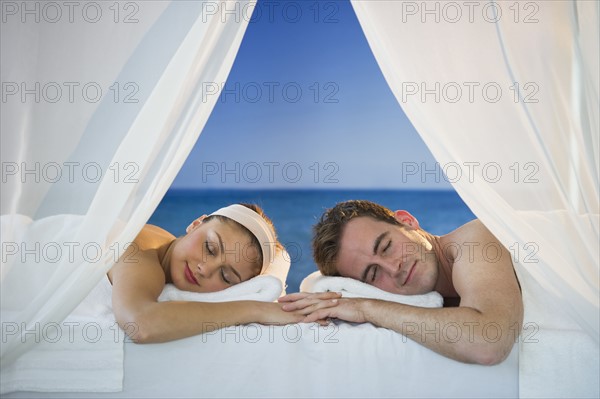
<point x="101" y="104"/>
<point x="528" y="158"/>
<point x="506" y="97"/>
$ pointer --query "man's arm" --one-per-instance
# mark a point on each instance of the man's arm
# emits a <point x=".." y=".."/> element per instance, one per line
<point x="481" y="330"/>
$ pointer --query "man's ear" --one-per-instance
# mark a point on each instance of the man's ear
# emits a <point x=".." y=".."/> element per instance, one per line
<point x="195" y="224"/>
<point x="407" y="219"/>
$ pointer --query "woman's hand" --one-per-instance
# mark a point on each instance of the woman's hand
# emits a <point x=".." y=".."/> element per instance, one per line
<point x="325" y="305"/>
<point x="294" y="308"/>
<point x="306" y="303"/>
<point x="271" y="314"/>
<point x="309" y="302"/>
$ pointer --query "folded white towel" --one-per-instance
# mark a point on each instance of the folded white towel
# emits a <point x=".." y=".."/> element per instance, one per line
<point x="351" y="288"/>
<point x="260" y="288"/>
<point x="83" y="353"/>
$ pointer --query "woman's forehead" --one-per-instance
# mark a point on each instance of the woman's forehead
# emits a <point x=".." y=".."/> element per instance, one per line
<point x="230" y="230"/>
<point x="235" y="239"/>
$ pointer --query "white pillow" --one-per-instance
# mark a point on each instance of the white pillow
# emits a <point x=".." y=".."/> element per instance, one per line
<point x="351" y="288"/>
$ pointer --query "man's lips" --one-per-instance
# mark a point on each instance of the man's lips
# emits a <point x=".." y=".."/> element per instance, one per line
<point x="189" y="276"/>
<point x="410" y="273"/>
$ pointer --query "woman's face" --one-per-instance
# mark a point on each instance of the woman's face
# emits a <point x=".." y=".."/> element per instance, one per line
<point x="212" y="256"/>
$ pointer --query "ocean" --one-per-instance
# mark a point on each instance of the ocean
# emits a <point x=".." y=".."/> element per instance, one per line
<point x="295" y="211"/>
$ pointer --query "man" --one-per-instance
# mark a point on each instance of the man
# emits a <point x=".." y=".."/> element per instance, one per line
<point x="483" y="309"/>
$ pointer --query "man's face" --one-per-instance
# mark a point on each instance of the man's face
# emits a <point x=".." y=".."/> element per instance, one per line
<point x="393" y="258"/>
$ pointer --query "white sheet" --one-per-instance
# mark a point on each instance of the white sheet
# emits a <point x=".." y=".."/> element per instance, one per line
<point x="302" y="360"/>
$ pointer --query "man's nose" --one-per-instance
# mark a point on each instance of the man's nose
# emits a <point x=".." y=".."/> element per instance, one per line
<point x="391" y="266"/>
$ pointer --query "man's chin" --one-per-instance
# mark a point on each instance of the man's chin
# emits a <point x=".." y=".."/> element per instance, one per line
<point x="407" y="291"/>
<point x="394" y="290"/>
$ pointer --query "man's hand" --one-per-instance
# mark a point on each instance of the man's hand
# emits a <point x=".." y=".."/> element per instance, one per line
<point x="294" y="308"/>
<point x="318" y="307"/>
<point x="348" y="309"/>
<point x="307" y="300"/>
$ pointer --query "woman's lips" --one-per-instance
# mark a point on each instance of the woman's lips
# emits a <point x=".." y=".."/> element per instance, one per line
<point x="189" y="276"/>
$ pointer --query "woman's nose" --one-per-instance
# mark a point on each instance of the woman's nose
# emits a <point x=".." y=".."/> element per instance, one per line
<point x="205" y="269"/>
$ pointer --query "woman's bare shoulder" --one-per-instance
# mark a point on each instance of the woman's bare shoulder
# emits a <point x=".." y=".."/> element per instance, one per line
<point x="152" y="237"/>
<point x="143" y="257"/>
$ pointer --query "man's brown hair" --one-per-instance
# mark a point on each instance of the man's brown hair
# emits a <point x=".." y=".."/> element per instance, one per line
<point x="328" y="231"/>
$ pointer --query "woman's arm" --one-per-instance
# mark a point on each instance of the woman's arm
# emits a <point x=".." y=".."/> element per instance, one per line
<point x="138" y="279"/>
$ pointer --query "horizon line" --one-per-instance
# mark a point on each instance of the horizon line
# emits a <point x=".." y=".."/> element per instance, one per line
<point x="309" y="188"/>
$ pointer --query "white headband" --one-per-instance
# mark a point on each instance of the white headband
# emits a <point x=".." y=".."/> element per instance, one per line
<point x="257" y="226"/>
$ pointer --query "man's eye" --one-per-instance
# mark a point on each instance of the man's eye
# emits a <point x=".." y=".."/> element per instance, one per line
<point x="374" y="274"/>
<point x="389" y="244"/>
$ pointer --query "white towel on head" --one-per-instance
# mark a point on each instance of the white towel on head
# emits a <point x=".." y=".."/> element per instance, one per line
<point x="260" y="288"/>
<point x="351" y="288"/>
<point x="279" y="268"/>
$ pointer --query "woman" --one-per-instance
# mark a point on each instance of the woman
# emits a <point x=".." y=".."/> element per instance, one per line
<point x="228" y="247"/>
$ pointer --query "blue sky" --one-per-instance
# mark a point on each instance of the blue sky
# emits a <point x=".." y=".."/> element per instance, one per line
<point x="306" y="106"/>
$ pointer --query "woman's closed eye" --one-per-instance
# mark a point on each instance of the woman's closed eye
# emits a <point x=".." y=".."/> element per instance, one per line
<point x="224" y="277"/>
<point x="209" y="248"/>
<point x="229" y="277"/>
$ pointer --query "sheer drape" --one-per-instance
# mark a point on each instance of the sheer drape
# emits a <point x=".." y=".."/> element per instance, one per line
<point x="101" y="104"/>
<point x="505" y="94"/>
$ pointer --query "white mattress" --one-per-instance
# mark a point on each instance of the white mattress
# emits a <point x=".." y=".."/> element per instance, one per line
<point x="301" y="360"/>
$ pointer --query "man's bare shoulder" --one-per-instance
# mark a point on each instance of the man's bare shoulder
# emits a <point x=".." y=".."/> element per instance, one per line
<point x="474" y="245"/>
<point x="473" y="230"/>
<point x="482" y="267"/>
<point x="464" y="239"/>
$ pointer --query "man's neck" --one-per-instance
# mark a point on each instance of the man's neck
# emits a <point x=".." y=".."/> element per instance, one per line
<point x="445" y="260"/>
